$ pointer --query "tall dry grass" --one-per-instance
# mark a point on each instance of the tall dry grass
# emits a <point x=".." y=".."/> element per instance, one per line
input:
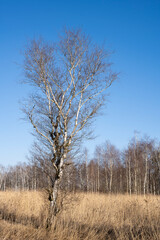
<point x="84" y="216"/>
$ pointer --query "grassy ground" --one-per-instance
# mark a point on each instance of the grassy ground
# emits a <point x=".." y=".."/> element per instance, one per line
<point x="84" y="216"/>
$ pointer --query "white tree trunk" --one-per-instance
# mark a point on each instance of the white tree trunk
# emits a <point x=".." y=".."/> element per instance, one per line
<point x="145" y="177"/>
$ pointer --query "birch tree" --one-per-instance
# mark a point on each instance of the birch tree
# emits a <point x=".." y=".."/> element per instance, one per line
<point x="69" y="80"/>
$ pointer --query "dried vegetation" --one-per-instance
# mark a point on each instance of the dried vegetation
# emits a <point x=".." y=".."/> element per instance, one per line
<point x="84" y="216"/>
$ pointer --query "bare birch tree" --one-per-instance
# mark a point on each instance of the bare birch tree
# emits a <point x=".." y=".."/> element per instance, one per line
<point x="86" y="167"/>
<point x="70" y="79"/>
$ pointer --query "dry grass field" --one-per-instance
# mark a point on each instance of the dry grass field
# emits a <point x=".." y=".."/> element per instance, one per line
<point x="84" y="216"/>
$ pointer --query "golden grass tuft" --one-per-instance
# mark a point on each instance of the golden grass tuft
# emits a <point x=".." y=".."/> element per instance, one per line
<point x="84" y="216"/>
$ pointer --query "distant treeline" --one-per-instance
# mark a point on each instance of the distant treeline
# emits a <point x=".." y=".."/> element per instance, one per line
<point x="134" y="170"/>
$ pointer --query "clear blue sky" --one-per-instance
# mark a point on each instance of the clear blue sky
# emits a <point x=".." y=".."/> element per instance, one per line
<point x="130" y="28"/>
